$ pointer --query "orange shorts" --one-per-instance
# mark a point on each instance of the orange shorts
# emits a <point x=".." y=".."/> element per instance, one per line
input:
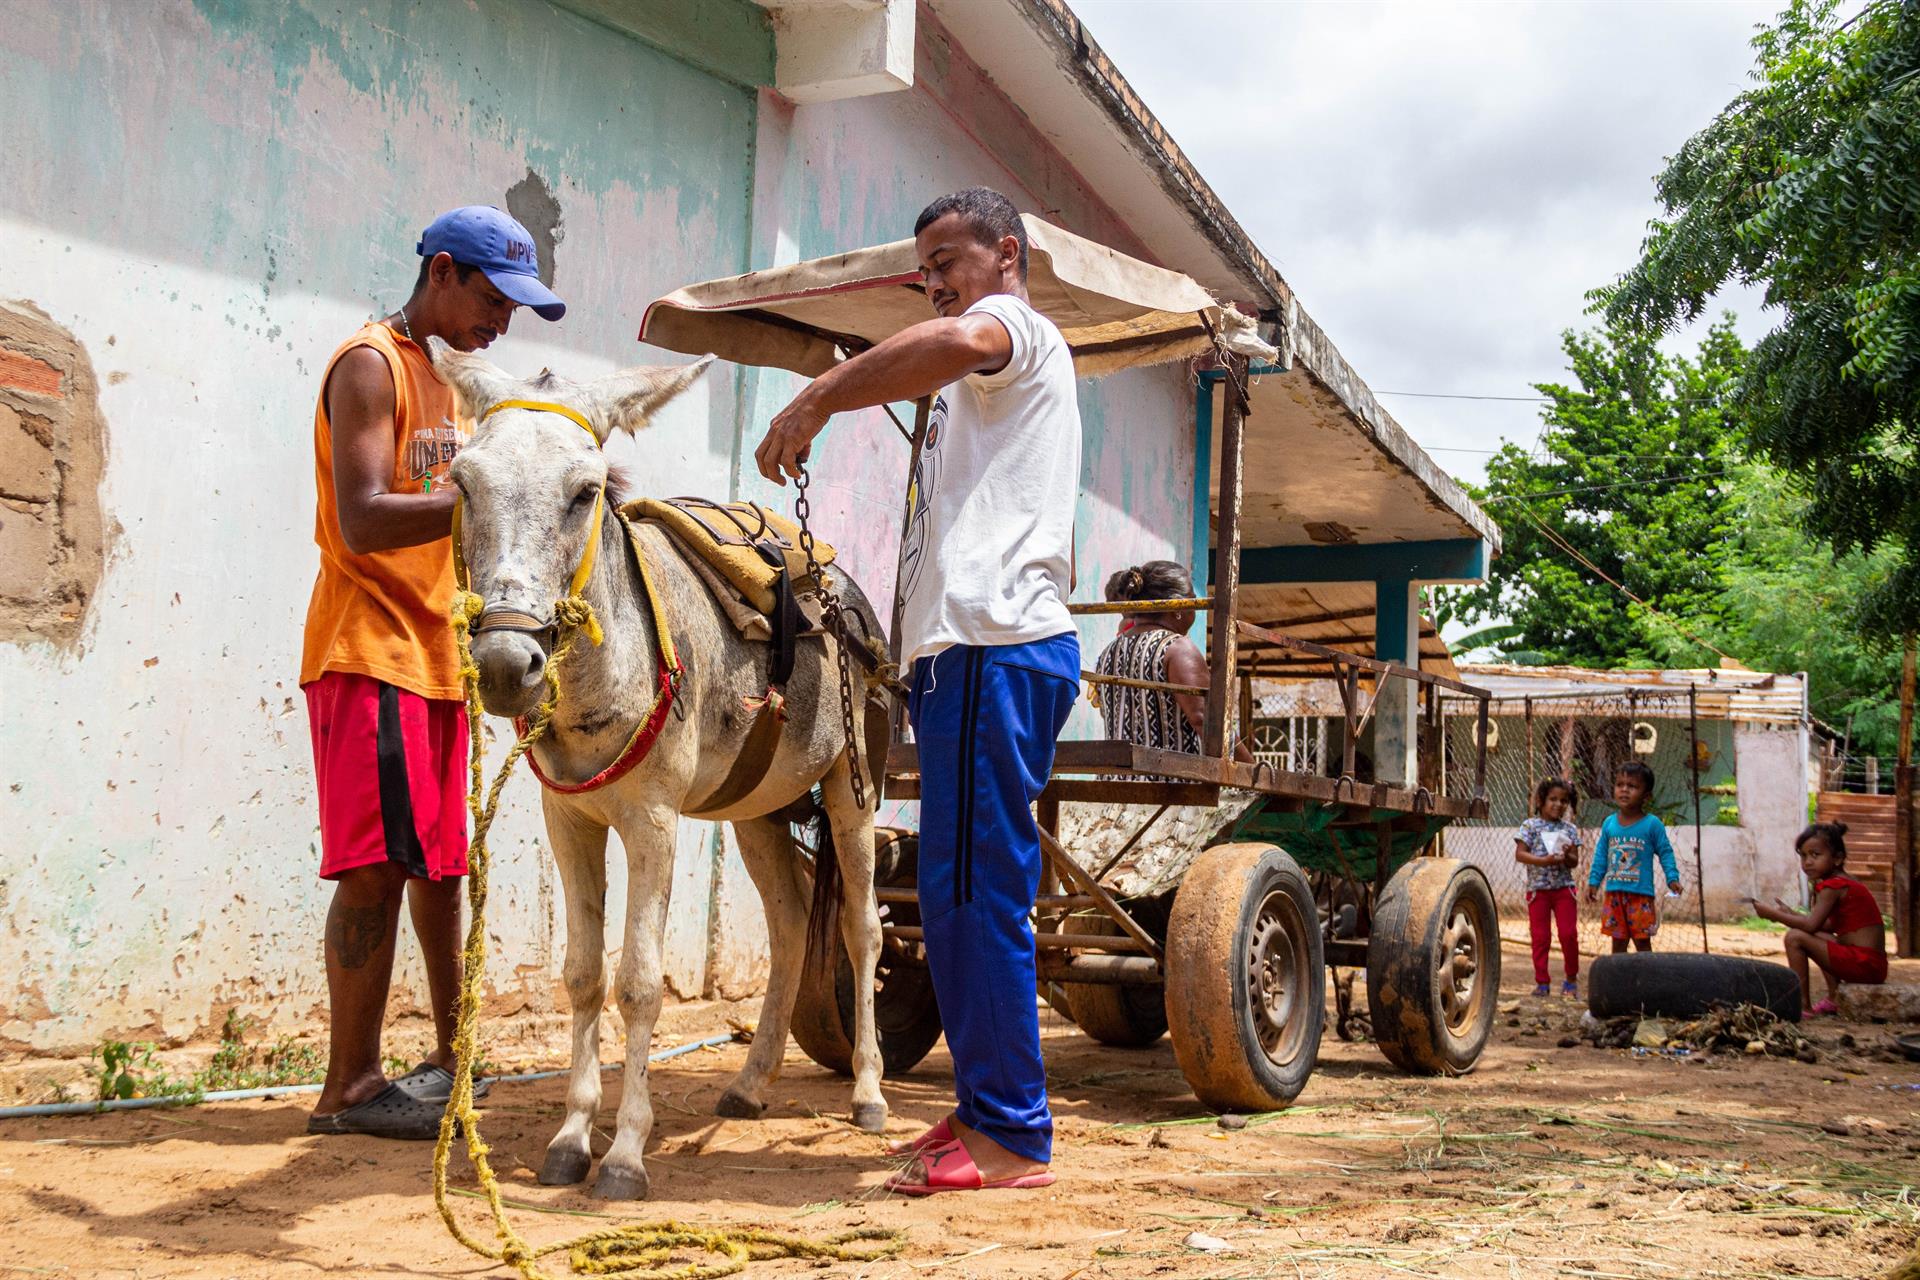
<point x="1629" y="915"/>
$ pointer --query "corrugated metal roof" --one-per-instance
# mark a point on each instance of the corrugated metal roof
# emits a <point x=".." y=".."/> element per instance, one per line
<point x="1748" y="697"/>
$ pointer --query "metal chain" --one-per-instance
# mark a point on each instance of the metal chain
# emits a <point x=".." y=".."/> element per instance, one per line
<point x="830" y="613"/>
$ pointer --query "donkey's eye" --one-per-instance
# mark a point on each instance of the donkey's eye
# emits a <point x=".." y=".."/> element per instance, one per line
<point x="584" y="498"/>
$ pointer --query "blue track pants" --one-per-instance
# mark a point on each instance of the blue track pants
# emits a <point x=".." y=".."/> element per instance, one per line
<point x="985" y="719"/>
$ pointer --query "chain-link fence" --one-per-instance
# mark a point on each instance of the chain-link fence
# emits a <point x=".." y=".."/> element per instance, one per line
<point x="1584" y="738"/>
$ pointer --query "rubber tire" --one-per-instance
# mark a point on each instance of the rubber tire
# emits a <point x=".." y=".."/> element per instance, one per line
<point x="1209" y="1007"/>
<point x="906" y="1015"/>
<point x="1124" y="1017"/>
<point x="1404" y="1001"/>
<point x="1685" y="984"/>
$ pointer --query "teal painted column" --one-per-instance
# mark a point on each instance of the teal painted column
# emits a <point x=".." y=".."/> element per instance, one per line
<point x="1396" y="734"/>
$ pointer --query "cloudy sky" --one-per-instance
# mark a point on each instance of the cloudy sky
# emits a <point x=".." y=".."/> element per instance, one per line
<point x="1441" y="183"/>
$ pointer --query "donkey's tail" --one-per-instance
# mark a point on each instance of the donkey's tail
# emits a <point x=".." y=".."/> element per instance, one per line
<point x="823" y="916"/>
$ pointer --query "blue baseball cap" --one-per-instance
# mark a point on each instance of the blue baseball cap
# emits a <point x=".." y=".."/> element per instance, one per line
<point x="482" y="236"/>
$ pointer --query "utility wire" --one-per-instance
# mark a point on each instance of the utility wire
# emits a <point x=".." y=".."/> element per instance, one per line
<point x="1594" y="397"/>
<point x="1571" y="550"/>
<point x="1599" y="488"/>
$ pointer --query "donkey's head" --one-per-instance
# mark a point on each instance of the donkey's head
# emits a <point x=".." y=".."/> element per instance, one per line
<point x="530" y="481"/>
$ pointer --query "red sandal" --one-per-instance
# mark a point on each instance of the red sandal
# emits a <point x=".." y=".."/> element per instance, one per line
<point x="950" y="1168"/>
<point x="938" y="1136"/>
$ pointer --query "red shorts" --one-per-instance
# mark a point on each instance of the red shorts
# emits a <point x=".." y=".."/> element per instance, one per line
<point x="1861" y="965"/>
<point x="1629" y="915"/>
<point x="391" y="768"/>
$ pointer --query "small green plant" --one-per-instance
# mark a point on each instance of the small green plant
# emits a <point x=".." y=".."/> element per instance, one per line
<point x="128" y="1070"/>
<point x="1759" y="925"/>
<point x="238" y="1065"/>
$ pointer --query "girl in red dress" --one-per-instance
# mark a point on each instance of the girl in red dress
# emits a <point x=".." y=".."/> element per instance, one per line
<point x="1841" y="931"/>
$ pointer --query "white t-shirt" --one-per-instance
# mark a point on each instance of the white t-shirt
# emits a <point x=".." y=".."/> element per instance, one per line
<point x="989" y="546"/>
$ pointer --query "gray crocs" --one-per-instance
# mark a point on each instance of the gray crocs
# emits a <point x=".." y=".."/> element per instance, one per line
<point x="435" y="1084"/>
<point x="390" y="1113"/>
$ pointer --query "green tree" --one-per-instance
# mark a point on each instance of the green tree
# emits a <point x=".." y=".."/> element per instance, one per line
<point x="1808" y="186"/>
<point x="1786" y="606"/>
<point x="1629" y="482"/>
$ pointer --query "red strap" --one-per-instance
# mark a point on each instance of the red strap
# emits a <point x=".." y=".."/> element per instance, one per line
<point x="637" y="746"/>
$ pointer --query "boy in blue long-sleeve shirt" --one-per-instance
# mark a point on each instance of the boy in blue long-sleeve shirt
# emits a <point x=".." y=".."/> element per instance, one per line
<point x="1623" y="858"/>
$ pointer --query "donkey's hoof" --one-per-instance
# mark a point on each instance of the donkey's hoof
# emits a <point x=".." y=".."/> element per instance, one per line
<point x="870" y="1116"/>
<point x="738" y="1106"/>
<point x="564" y="1167"/>
<point x="621" y="1184"/>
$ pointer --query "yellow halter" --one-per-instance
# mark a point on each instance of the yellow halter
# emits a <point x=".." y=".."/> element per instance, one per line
<point x="584" y="570"/>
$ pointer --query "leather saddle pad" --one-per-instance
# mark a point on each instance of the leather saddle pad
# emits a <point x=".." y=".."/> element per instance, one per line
<point x="729" y="538"/>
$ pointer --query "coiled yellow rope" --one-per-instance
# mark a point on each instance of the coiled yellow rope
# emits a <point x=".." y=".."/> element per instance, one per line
<point x="637" y="1249"/>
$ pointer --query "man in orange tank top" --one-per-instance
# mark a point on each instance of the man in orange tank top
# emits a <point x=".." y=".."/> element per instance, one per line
<point x="378" y="664"/>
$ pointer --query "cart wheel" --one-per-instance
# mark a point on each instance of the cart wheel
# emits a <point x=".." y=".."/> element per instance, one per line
<point x="1246" y="978"/>
<point x="904" y="1011"/>
<point x="1433" y="967"/>
<point x="1125" y="1017"/>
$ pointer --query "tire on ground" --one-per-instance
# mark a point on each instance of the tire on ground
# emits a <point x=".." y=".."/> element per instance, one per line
<point x="905" y="1014"/>
<point x="1433" y="967"/>
<point x="1679" y="984"/>
<point x="1125" y="1017"/>
<point x="1245" y="978"/>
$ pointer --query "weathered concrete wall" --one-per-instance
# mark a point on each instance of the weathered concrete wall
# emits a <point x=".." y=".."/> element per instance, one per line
<point x="208" y="235"/>
<point x="1771" y="770"/>
<point x="210" y="197"/>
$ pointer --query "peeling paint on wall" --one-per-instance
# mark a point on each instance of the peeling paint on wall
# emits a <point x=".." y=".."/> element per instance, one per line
<point x="532" y="204"/>
<point x="53" y="451"/>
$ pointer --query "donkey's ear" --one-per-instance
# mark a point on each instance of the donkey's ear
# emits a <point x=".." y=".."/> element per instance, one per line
<point x="477" y="383"/>
<point x="627" y="400"/>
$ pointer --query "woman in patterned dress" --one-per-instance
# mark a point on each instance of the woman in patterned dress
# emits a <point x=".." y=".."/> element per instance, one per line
<point x="1154" y="646"/>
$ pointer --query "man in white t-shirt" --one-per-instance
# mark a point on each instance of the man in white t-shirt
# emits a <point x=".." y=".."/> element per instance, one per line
<point x="993" y="656"/>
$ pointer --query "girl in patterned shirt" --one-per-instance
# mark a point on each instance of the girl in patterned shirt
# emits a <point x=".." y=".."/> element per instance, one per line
<point x="1548" y="846"/>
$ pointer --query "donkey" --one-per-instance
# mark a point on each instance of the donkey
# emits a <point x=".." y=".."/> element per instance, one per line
<point x="530" y="480"/>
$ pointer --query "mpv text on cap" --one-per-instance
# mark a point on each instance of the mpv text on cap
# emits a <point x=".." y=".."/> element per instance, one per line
<point x="482" y="236"/>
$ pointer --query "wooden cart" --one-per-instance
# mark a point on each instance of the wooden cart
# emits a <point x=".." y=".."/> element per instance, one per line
<point x="1277" y="876"/>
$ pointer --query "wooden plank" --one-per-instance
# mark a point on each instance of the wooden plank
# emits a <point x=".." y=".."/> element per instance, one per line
<point x="1073" y="871"/>
<point x="1217" y="742"/>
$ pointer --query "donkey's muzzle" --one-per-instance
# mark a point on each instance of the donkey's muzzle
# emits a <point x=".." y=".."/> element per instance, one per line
<point x="513" y="668"/>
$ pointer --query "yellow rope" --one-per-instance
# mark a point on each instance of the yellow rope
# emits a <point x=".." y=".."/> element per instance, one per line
<point x="636" y="1249"/>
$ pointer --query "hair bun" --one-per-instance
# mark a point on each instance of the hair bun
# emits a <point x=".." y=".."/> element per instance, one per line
<point x="1839" y="828"/>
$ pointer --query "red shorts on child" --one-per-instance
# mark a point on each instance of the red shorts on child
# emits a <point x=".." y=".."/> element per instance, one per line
<point x="1862" y="965"/>
<point x="1629" y="915"/>
<point x="391" y="768"/>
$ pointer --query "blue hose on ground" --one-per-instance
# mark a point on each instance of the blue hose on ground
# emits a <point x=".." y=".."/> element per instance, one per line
<point x="278" y="1090"/>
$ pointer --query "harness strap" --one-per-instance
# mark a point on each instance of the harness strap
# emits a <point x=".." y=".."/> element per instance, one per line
<point x="666" y="690"/>
<point x="515" y="619"/>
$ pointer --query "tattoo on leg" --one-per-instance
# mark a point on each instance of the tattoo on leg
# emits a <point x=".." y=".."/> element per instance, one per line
<point x="356" y="933"/>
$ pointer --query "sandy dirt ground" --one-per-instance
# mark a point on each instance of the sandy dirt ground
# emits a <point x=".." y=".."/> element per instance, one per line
<point x="1546" y="1161"/>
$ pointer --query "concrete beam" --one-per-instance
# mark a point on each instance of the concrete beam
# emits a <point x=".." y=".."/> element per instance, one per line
<point x="1438" y="560"/>
<point x="826" y="50"/>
